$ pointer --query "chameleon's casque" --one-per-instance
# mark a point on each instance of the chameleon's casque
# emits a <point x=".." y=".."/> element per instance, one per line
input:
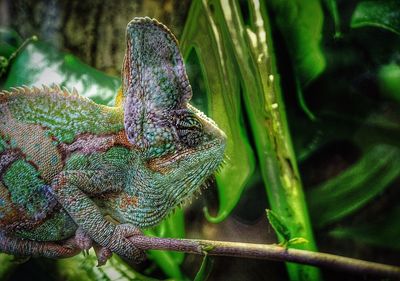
<point x="73" y="172"/>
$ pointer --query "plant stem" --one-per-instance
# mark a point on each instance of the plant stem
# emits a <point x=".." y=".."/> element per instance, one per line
<point x="266" y="251"/>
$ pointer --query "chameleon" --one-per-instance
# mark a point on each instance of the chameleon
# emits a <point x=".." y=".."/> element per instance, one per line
<point x="75" y="174"/>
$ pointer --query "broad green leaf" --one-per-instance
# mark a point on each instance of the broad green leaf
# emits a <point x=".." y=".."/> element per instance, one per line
<point x="250" y="46"/>
<point x="355" y="187"/>
<point x="9" y="41"/>
<point x="6" y="61"/>
<point x="8" y="50"/>
<point x="41" y="64"/>
<point x="384" y="14"/>
<point x="300" y="23"/>
<point x="203" y="37"/>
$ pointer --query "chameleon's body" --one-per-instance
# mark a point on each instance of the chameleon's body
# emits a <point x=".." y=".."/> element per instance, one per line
<point x="73" y="172"/>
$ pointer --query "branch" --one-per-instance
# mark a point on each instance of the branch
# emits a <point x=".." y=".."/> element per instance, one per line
<point x="266" y="251"/>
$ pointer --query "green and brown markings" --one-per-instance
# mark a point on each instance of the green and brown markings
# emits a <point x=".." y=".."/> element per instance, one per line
<point x="40" y="132"/>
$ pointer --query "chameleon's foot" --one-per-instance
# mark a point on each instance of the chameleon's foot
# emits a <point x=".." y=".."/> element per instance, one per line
<point x="121" y="245"/>
<point x="102" y="254"/>
<point x="80" y="241"/>
<point x="83" y="240"/>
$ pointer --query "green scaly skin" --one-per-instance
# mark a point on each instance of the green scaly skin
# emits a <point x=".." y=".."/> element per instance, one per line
<point x="75" y="174"/>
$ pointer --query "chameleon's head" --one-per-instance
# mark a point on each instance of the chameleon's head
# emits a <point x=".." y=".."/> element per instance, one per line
<point x="177" y="141"/>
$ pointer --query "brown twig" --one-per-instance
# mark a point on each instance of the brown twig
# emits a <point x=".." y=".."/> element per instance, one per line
<point x="266" y="251"/>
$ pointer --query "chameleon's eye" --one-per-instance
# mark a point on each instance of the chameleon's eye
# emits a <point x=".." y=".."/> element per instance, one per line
<point x="189" y="129"/>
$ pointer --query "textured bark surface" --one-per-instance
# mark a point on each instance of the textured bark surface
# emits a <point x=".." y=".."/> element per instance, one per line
<point x="92" y="30"/>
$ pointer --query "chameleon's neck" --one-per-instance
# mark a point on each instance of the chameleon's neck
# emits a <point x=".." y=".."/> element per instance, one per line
<point x="146" y="200"/>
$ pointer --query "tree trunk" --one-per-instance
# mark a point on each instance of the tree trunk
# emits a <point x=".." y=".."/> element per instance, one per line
<point x="94" y="31"/>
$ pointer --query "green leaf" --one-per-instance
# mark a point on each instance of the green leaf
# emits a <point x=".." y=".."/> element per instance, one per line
<point x="355" y="187"/>
<point x="300" y="23"/>
<point x="383" y="14"/>
<point x="249" y="49"/>
<point x="9" y="41"/>
<point x="8" y="51"/>
<point x="296" y="241"/>
<point x="278" y="225"/>
<point x="40" y="64"/>
<point x="235" y="63"/>
<point x="205" y="269"/>
<point x="221" y="99"/>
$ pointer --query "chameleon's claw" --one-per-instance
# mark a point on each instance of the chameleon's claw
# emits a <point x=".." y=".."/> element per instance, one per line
<point x="82" y="240"/>
<point x="85" y="253"/>
<point x="102" y="254"/>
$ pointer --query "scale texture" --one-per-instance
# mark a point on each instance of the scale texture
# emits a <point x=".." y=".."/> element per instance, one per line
<point x="75" y="174"/>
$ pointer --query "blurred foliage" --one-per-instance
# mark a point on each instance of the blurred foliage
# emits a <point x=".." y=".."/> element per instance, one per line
<point x="81" y="268"/>
<point x="259" y="70"/>
<point x="331" y="6"/>
<point x="382" y="14"/>
<point x="356" y="186"/>
<point x="301" y="25"/>
<point x="382" y="230"/>
<point x="389" y="80"/>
